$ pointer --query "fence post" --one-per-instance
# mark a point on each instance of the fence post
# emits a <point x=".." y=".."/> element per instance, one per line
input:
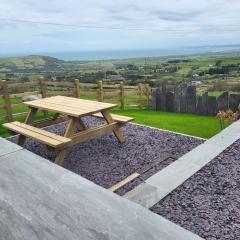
<point x="42" y="84"/>
<point x="100" y="91"/>
<point x="122" y="95"/>
<point x="140" y="95"/>
<point x="7" y="101"/>
<point x="42" y="87"/>
<point x="148" y="94"/>
<point x="77" y="88"/>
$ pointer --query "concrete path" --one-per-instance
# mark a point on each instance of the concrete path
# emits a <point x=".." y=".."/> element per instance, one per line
<point x="165" y="181"/>
<point x="40" y="200"/>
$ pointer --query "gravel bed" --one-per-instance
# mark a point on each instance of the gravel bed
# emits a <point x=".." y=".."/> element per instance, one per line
<point x="105" y="161"/>
<point x="208" y="203"/>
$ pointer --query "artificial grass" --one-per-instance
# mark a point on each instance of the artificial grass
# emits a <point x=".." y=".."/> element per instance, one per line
<point x="200" y="126"/>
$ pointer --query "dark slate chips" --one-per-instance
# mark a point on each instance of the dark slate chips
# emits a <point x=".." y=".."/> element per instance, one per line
<point x="208" y="203"/>
<point x="106" y="162"/>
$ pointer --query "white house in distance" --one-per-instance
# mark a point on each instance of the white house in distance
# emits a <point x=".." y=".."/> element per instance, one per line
<point x="196" y="83"/>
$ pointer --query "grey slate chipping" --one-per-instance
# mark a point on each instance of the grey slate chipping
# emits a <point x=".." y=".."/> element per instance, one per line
<point x="165" y="181"/>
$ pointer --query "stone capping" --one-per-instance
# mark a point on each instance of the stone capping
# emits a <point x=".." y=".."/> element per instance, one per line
<point x="167" y="180"/>
<point x="45" y="201"/>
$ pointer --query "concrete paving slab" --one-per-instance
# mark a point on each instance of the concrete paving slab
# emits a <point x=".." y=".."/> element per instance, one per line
<point x="7" y="147"/>
<point x="40" y="200"/>
<point x="168" y="179"/>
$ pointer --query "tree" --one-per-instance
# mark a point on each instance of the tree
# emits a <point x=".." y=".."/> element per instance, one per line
<point x="218" y="63"/>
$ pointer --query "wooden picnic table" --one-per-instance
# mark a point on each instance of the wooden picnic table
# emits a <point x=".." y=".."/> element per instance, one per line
<point x="76" y="131"/>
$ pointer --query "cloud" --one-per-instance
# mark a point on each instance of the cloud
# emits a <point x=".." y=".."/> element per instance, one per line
<point x="164" y="23"/>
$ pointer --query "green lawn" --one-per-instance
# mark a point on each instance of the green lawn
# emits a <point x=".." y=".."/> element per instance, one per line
<point x="201" y="126"/>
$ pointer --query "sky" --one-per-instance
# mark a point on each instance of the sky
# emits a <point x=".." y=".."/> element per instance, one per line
<point x="30" y="26"/>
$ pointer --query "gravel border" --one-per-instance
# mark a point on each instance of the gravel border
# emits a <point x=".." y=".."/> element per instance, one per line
<point x="105" y="161"/>
<point x="208" y="203"/>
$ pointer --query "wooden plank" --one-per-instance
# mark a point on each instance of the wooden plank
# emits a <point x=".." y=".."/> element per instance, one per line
<point x="94" y="133"/>
<point x="70" y="106"/>
<point x="89" y="93"/>
<point x="22" y="95"/>
<point x="82" y="102"/>
<point x="115" y="117"/>
<point x="124" y="182"/>
<point x="115" y="86"/>
<point x="130" y="92"/>
<point x="54" y="108"/>
<point x="17" y="105"/>
<point x="53" y="92"/>
<point x="113" y="100"/>
<point x="89" y="85"/>
<point x="43" y="132"/>
<point x="79" y="108"/>
<point x="78" y="103"/>
<point x="42" y="136"/>
<point x="49" y="121"/>
<point x="59" y="84"/>
<point x="20" y="114"/>
<point x="22" y="85"/>
<point x="130" y="87"/>
<point x="111" y="94"/>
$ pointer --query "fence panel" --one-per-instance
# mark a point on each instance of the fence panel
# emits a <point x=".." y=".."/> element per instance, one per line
<point x="124" y="96"/>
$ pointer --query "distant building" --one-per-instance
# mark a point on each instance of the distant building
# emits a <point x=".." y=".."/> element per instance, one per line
<point x="195" y="75"/>
<point x="196" y="83"/>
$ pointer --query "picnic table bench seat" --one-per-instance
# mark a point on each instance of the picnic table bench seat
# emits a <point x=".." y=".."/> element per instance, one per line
<point x="41" y="135"/>
<point x="115" y="117"/>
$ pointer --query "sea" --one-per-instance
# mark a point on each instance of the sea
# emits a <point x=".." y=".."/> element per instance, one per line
<point x="134" y="53"/>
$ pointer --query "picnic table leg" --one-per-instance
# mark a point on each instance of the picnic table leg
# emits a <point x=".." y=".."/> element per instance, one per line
<point x="68" y="133"/>
<point x="117" y="131"/>
<point x="32" y="112"/>
<point x="80" y="124"/>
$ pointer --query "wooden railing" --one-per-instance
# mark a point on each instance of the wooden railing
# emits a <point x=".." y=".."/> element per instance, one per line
<point x="13" y="94"/>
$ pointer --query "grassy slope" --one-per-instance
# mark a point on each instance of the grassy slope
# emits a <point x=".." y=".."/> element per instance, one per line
<point x="23" y="62"/>
<point x="201" y="126"/>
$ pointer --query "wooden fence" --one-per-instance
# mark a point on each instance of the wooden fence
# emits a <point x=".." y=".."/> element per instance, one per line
<point x="183" y="98"/>
<point x="13" y="94"/>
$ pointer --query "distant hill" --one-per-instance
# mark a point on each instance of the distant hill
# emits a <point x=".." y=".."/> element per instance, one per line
<point x="32" y="62"/>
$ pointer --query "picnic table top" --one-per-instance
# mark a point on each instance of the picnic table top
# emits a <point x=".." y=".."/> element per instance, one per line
<point x="70" y="106"/>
